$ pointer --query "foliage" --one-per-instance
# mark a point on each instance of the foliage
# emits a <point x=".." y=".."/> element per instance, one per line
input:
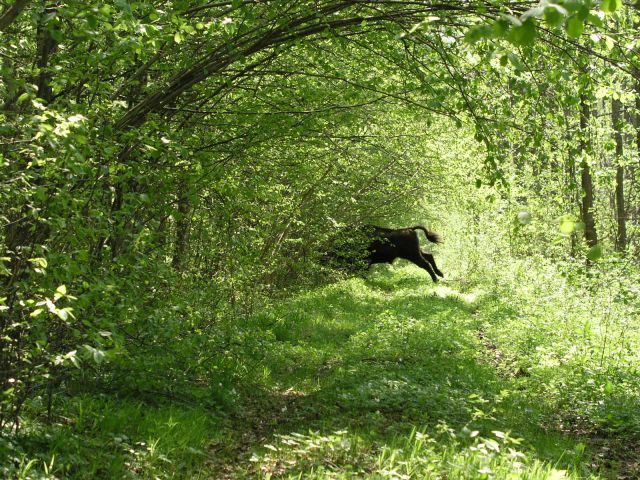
<point x="171" y="171"/>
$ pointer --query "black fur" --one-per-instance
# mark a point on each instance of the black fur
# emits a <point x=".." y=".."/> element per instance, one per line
<point x="368" y="244"/>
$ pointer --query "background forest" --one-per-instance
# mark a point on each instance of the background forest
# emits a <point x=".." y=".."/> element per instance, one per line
<point x="172" y="172"/>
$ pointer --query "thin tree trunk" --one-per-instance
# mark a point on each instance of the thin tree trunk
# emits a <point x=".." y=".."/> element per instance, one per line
<point x="11" y="13"/>
<point x="573" y="197"/>
<point x="22" y="233"/>
<point x="621" y="214"/>
<point x="46" y="46"/>
<point x="638" y="113"/>
<point x="586" y="207"/>
<point x="634" y="166"/>
<point x="22" y="237"/>
<point x="182" y="228"/>
<point x="123" y="221"/>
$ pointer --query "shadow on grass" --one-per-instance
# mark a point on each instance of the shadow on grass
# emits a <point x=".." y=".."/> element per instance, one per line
<point x="382" y="358"/>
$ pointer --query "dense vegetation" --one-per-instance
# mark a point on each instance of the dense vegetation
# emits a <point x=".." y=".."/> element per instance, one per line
<point x="171" y="173"/>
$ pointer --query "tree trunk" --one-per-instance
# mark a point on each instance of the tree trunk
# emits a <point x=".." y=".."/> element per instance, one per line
<point x="11" y="13"/>
<point x="22" y="233"/>
<point x="586" y="207"/>
<point x="573" y="196"/>
<point x="46" y="46"/>
<point x="638" y="113"/>
<point x="182" y="228"/>
<point x="621" y="214"/>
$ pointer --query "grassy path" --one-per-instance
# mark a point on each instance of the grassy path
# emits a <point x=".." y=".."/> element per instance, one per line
<point x="388" y="377"/>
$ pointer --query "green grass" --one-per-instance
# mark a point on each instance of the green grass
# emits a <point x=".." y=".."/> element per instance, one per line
<point x="102" y="437"/>
<point x="388" y="377"/>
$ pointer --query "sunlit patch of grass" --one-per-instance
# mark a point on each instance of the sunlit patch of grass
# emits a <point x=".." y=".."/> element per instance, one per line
<point x="444" y="291"/>
<point x="384" y="377"/>
<point x="377" y="360"/>
<point x="446" y="454"/>
<point x="574" y="345"/>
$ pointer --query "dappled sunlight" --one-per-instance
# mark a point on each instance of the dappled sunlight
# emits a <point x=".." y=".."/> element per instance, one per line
<point x="418" y="454"/>
<point x="333" y="239"/>
<point x="390" y="381"/>
<point x="445" y="291"/>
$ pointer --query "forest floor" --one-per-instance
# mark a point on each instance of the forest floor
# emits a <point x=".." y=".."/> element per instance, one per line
<point x="387" y="377"/>
<point x="393" y="377"/>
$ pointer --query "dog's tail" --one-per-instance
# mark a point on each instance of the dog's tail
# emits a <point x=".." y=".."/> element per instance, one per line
<point x="433" y="237"/>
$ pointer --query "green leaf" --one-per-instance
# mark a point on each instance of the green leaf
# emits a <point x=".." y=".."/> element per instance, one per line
<point x="567" y="224"/>
<point x="574" y="27"/>
<point x="178" y="37"/>
<point x="583" y="13"/>
<point x="229" y="25"/>
<point x="533" y="12"/>
<point x="595" y="20"/>
<point x="595" y="252"/>
<point x="609" y="42"/>
<point x="98" y="355"/>
<point x="478" y="32"/>
<point x="62" y="314"/>
<point x="554" y="14"/>
<point x="524" y="34"/>
<point x="56" y="35"/>
<point x="610" y="6"/>
<point x="23" y="97"/>
<point x="501" y="27"/>
<point x="124" y="6"/>
<point x="61" y="290"/>
<point x="71" y="356"/>
<point x="41" y="262"/>
<point x="516" y="62"/>
<point x="50" y="305"/>
<point x="511" y="19"/>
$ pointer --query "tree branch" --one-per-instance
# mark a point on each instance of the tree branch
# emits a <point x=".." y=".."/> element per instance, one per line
<point x="11" y="13"/>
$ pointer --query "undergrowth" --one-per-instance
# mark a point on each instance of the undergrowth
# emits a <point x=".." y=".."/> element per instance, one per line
<point x="381" y="377"/>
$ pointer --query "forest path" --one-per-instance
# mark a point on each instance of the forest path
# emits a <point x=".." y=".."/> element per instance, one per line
<point x="389" y="377"/>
